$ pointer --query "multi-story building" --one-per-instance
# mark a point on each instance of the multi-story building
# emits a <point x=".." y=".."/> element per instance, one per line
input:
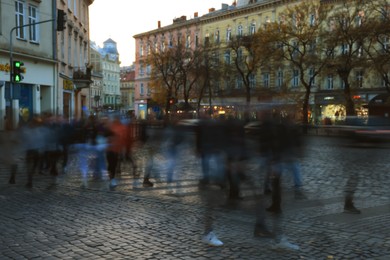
<point x="127" y="90"/>
<point x="111" y="75"/>
<point x="244" y="18"/>
<point x="181" y="30"/>
<point x="34" y="46"/>
<point x="96" y="88"/>
<point x="74" y="72"/>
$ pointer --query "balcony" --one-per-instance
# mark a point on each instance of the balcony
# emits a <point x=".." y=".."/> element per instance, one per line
<point x="82" y="77"/>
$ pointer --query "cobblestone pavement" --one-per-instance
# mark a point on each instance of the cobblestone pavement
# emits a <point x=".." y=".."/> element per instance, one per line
<point x="65" y="221"/>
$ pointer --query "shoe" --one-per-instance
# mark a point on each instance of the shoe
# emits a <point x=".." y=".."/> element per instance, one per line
<point x="351" y="210"/>
<point x="147" y="183"/>
<point x="113" y="182"/>
<point x="285" y="245"/>
<point x="262" y="232"/>
<point x="29" y="185"/>
<point x="212" y="240"/>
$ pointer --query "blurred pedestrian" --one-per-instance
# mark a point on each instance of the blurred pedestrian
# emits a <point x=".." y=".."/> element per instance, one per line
<point x="173" y="137"/>
<point x="235" y="156"/>
<point x="33" y="139"/>
<point x="116" y="146"/>
<point x="10" y="150"/>
<point x="210" y="147"/>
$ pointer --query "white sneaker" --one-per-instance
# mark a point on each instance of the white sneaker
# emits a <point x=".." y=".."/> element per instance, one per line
<point x="212" y="240"/>
<point x="113" y="183"/>
<point x="285" y="245"/>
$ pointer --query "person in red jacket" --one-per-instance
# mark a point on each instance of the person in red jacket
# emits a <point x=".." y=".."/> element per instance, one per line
<point x="117" y="142"/>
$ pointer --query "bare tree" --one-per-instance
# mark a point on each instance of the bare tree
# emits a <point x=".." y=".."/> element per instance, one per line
<point x="165" y="71"/>
<point x="347" y="34"/>
<point x="377" y="45"/>
<point x="298" y="37"/>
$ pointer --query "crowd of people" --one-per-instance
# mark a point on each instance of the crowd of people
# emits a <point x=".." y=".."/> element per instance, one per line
<point x="46" y="142"/>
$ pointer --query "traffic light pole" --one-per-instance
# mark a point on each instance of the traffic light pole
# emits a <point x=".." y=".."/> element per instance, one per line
<point x="11" y="62"/>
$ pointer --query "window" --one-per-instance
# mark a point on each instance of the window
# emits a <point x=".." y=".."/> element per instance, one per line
<point x="359" y="78"/>
<point x="344" y="49"/>
<point x="312" y="78"/>
<point x="19" y="19"/>
<point x="359" y="18"/>
<point x="239" y="54"/>
<point x="69" y="50"/>
<point x="148" y="49"/>
<point x="141" y="89"/>
<point x="227" y="57"/>
<point x="312" y="19"/>
<point x="148" y="69"/>
<point x="295" y="50"/>
<point x="312" y="47"/>
<point x="295" y="79"/>
<point x="342" y="84"/>
<point x="240" y="31"/>
<point x="252" y="80"/>
<point x="385" y="44"/>
<point x="170" y="42"/>
<point x="252" y="28"/>
<point x="179" y="40"/>
<point x="266" y="80"/>
<point x="32" y="18"/>
<point x="279" y="78"/>
<point x="228" y="35"/>
<point x="141" y="50"/>
<point x="216" y="36"/>
<point x="141" y="70"/>
<point x="188" y="41"/>
<point x="329" y="82"/>
<point x="196" y="40"/>
<point x="239" y="82"/>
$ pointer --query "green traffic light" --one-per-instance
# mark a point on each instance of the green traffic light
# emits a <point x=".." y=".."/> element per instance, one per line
<point x="17" y="64"/>
<point x="17" y="78"/>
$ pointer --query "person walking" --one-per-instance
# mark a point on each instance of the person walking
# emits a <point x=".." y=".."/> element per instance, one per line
<point x="116" y="146"/>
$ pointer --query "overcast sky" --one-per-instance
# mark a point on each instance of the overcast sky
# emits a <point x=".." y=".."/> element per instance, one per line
<point x="120" y="20"/>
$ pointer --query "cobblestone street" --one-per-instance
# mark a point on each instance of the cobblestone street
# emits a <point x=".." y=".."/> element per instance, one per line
<point x="65" y="221"/>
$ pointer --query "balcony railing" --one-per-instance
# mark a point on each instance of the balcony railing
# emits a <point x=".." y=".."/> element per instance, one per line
<point x="82" y="77"/>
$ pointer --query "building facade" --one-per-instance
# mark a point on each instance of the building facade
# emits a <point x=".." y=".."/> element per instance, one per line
<point x="35" y="47"/>
<point x="127" y="90"/>
<point x="96" y="89"/>
<point x="217" y="28"/>
<point x="74" y="71"/>
<point x="181" y="30"/>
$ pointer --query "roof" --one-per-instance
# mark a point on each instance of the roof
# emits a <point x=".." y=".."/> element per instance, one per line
<point x="128" y="76"/>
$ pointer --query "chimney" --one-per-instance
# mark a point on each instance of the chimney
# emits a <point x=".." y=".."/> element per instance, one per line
<point x="211" y="10"/>
<point x="196" y="15"/>
<point x="159" y="24"/>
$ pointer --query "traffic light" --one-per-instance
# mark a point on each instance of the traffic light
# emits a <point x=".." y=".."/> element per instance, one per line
<point x="61" y="20"/>
<point x="171" y="101"/>
<point x="17" y="71"/>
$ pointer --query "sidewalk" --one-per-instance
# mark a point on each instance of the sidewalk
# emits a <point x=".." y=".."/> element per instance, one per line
<point x="67" y="222"/>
